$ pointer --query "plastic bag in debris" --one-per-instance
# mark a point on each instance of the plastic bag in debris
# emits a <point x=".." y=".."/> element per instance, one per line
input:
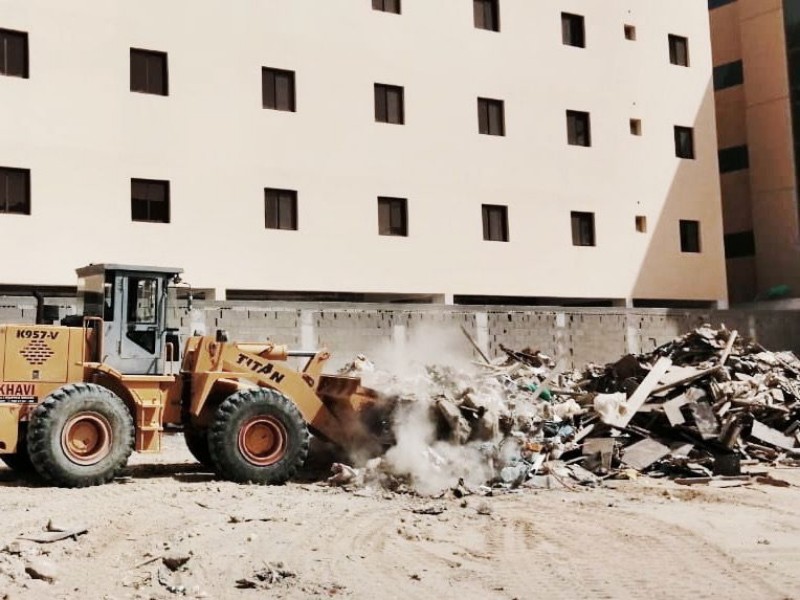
<point x="610" y="407"/>
<point x="544" y="395"/>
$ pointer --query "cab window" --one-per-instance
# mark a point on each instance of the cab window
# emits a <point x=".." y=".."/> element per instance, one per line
<point x="142" y="301"/>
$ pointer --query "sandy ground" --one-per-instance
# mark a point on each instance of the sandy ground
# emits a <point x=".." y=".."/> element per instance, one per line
<point x="631" y="539"/>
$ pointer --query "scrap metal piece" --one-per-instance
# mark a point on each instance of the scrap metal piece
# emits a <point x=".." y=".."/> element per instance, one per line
<point x="643" y="454"/>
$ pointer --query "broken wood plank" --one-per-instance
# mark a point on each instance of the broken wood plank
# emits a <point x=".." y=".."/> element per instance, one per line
<point x="643" y="454"/>
<point x="475" y="345"/>
<point x="675" y="374"/>
<point x="728" y="347"/>
<point x="697" y="480"/>
<point x="639" y="397"/>
<point x="772" y="436"/>
<point x="584" y="432"/>
<point x="672" y="408"/>
<point x="698" y="375"/>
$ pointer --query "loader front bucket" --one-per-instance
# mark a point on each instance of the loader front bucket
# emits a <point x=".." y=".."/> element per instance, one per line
<point x="362" y="413"/>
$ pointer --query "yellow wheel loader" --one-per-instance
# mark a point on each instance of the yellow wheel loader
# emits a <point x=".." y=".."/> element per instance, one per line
<point x="77" y="398"/>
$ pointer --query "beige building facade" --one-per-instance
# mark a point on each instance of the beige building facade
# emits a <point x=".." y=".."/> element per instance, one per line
<point x="456" y="150"/>
<point x="753" y="82"/>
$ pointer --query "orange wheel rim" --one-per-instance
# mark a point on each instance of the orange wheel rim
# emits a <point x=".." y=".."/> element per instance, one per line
<point x="86" y="438"/>
<point x="262" y="441"/>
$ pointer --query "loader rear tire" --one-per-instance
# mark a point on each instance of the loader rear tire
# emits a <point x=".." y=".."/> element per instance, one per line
<point x="197" y="443"/>
<point x="81" y="435"/>
<point x="20" y="461"/>
<point x="258" y="436"/>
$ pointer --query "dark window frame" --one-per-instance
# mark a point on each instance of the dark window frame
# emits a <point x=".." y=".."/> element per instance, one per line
<point x="741" y="244"/>
<point x="728" y="75"/>
<point x="491" y="117"/>
<point x="579" y="128"/>
<point x="277" y="203"/>
<point x="271" y="98"/>
<point x="7" y="66"/>
<point x="684" y="142"/>
<point x="584" y="233"/>
<point x="735" y="158"/>
<point x="712" y="4"/>
<point x="22" y="176"/>
<point x="691" y="241"/>
<point x="573" y="30"/>
<point x="486" y="14"/>
<point x="495" y="222"/>
<point x="385" y="110"/>
<point x="145" y="202"/>
<point x="678" y="50"/>
<point x="150" y="83"/>
<point x="392" y="216"/>
<point x="394" y="7"/>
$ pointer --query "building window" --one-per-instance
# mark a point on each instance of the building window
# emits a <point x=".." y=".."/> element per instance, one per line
<point x="641" y="224"/>
<point x="150" y="200"/>
<point x="13" y="53"/>
<point x="389" y="106"/>
<point x="573" y="32"/>
<point x="728" y="75"/>
<point x="277" y="89"/>
<point x="733" y="159"/>
<point x="636" y="126"/>
<point x="280" y="208"/>
<point x="487" y="14"/>
<point x="15" y="191"/>
<point x="491" y="117"/>
<point x="690" y="236"/>
<point x="578" y="128"/>
<point x="678" y="50"/>
<point x="582" y="228"/>
<point x="393" y="216"/>
<point x="740" y="245"/>
<point x="684" y="142"/>
<point x="149" y="72"/>
<point x="630" y="32"/>
<point x="389" y="6"/>
<point x="495" y="223"/>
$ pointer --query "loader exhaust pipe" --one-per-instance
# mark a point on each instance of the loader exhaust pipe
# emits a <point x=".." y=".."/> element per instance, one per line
<point x="39" y="307"/>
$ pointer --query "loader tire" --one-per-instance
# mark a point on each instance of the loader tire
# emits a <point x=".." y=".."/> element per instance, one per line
<point x="197" y="443"/>
<point x="258" y="436"/>
<point x="20" y="461"/>
<point x="81" y="435"/>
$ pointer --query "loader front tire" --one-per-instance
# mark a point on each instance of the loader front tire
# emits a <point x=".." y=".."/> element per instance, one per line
<point x="258" y="436"/>
<point x="197" y="442"/>
<point x="81" y="435"/>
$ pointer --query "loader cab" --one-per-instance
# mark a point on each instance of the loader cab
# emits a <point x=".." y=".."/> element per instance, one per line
<point x="132" y="301"/>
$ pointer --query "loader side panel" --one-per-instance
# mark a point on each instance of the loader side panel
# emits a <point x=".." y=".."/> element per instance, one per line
<point x="36" y="353"/>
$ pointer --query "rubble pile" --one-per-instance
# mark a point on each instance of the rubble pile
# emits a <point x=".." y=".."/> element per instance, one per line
<point x="701" y="406"/>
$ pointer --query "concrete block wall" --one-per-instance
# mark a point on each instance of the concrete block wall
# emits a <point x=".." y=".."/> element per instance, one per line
<point x="427" y="333"/>
<point x="573" y="336"/>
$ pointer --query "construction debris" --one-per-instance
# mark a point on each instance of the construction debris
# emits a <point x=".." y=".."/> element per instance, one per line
<point x="265" y="578"/>
<point x="696" y="407"/>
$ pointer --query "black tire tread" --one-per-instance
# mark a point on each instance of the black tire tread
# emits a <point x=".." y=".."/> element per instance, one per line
<point x="41" y="453"/>
<point x="229" y="464"/>
<point x="20" y="461"/>
<point x="196" y="439"/>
